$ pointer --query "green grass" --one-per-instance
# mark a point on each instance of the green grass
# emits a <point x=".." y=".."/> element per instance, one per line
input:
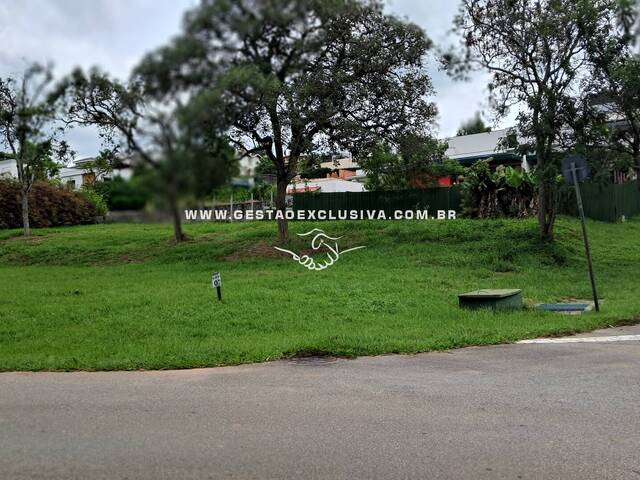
<point x="122" y="297"/>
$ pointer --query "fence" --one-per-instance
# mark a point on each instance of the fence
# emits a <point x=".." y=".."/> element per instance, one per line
<point x="432" y="199"/>
<point x="606" y="203"/>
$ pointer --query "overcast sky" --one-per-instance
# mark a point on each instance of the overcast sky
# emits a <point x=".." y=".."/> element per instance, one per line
<point x="114" y="34"/>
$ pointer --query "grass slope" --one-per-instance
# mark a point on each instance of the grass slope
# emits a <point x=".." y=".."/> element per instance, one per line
<point x="121" y="297"/>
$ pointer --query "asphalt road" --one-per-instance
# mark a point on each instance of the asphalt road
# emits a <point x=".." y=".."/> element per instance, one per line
<point x="540" y="411"/>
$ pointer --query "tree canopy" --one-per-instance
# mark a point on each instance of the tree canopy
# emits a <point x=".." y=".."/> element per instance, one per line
<point x="299" y="76"/>
<point x="409" y="165"/>
<point x="29" y="130"/>
<point x="536" y="53"/>
<point x="176" y="138"/>
<point x="614" y="82"/>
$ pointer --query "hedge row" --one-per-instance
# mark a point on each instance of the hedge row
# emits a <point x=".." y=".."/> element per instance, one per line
<point x="49" y="206"/>
<point x="123" y="194"/>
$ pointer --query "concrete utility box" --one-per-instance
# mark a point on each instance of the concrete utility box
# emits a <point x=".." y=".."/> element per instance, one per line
<point x="502" y="299"/>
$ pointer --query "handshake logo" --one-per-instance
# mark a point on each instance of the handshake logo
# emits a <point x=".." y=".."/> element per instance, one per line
<point x="320" y="242"/>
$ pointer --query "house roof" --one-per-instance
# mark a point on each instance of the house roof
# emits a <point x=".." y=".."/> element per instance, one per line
<point x="83" y="161"/>
<point x="467" y="148"/>
<point x="340" y="163"/>
<point x="498" y="157"/>
<point x="304" y="189"/>
<point x="325" y="185"/>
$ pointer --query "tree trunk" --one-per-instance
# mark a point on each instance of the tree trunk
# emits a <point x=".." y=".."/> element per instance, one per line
<point x="546" y="185"/>
<point x="25" y="213"/>
<point x="636" y="157"/>
<point x="281" y="205"/>
<point x="172" y="197"/>
<point x="546" y="209"/>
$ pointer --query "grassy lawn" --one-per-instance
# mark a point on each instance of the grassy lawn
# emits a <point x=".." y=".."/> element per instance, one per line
<point x="123" y="297"/>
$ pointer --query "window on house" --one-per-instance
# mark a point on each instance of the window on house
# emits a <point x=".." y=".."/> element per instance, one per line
<point x="88" y="178"/>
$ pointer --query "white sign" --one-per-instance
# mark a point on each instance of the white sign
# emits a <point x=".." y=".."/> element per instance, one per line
<point x="215" y="280"/>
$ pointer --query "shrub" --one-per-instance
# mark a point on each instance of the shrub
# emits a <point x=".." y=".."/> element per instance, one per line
<point x="96" y="199"/>
<point x="49" y="206"/>
<point x="120" y="194"/>
<point x="225" y="192"/>
<point x="264" y="191"/>
<point x="448" y="167"/>
<point x="319" y="172"/>
<point x="505" y="192"/>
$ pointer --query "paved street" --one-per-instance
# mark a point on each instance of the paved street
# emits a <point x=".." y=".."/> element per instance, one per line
<point x="527" y="411"/>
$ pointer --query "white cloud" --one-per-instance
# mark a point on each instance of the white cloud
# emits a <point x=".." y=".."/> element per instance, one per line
<point x="112" y="34"/>
<point x="457" y="100"/>
<point x="115" y="34"/>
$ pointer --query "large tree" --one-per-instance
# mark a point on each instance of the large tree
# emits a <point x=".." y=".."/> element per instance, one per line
<point x="536" y="53"/>
<point x="405" y="165"/>
<point x="300" y="76"/>
<point x="614" y="83"/>
<point x="174" y="137"/>
<point x="29" y="131"/>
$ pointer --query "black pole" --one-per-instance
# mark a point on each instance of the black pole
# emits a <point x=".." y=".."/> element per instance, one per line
<point x="219" y="289"/>
<point x="584" y="235"/>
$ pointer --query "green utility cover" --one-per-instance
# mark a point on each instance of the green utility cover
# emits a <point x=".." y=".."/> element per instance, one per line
<point x="500" y="299"/>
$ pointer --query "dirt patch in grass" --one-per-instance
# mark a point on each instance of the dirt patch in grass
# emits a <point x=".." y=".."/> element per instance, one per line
<point x="130" y="258"/>
<point x="206" y="237"/>
<point x="265" y="250"/>
<point x="313" y="356"/>
<point x="260" y="249"/>
<point x="309" y="352"/>
<point x="33" y="239"/>
<point x="629" y="322"/>
<point x="124" y="258"/>
<point x="171" y="241"/>
<point x="16" y="259"/>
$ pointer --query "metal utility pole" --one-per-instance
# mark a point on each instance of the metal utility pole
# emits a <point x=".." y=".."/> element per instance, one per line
<point x="584" y="235"/>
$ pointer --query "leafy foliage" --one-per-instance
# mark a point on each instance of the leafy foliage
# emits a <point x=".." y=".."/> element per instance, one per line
<point x="265" y="192"/>
<point x="536" y="52"/>
<point x="225" y="193"/>
<point x="384" y="169"/>
<point x="121" y="194"/>
<point x="176" y="142"/>
<point x="319" y="172"/>
<point x="409" y="165"/>
<point x="473" y="126"/>
<point x="96" y="200"/>
<point x="50" y="205"/>
<point x="448" y="167"/>
<point x="265" y="167"/>
<point x="298" y="76"/>
<point x="614" y="82"/>
<point x="505" y="192"/>
<point x="28" y="130"/>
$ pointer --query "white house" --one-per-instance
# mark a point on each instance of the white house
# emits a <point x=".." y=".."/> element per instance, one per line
<point x="79" y="174"/>
<point x="74" y="176"/>
<point x="325" y="185"/>
<point x="344" y="163"/>
<point x="8" y="169"/>
<point x="248" y="165"/>
<point x="467" y="149"/>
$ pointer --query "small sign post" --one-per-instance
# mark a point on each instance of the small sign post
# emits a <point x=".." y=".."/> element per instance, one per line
<point x="575" y="170"/>
<point x="216" y="282"/>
